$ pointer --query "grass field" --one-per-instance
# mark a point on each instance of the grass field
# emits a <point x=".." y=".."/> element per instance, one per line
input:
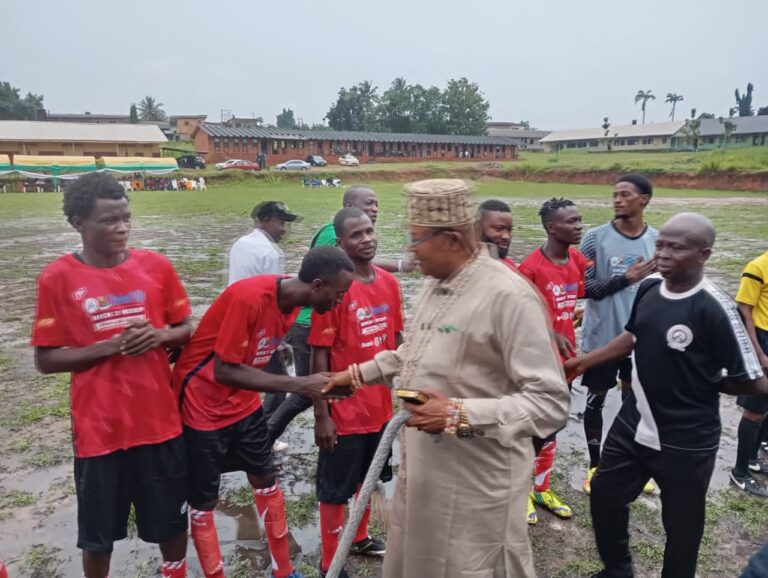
<point x="37" y="518"/>
<point x="746" y="160"/>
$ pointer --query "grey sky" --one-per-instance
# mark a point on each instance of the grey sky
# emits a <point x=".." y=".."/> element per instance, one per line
<point x="558" y="63"/>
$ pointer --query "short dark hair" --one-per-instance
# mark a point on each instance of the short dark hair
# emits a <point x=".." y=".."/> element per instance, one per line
<point x="342" y="216"/>
<point x="324" y="262"/>
<point x="641" y="182"/>
<point x="353" y="191"/>
<point x="81" y="194"/>
<point x="549" y="207"/>
<point x="494" y="205"/>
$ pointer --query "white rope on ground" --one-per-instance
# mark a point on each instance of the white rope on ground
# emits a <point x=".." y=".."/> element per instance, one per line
<point x="366" y="490"/>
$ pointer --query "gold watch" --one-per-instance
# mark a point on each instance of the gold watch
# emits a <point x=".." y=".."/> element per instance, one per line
<point x="464" y="430"/>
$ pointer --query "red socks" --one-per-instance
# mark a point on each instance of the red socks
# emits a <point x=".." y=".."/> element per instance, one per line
<point x="206" y="542"/>
<point x="543" y="466"/>
<point x="3" y="571"/>
<point x="174" y="569"/>
<point x="362" y="528"/>
<point x="270" y="506"/>
<point x="331" y="524"/>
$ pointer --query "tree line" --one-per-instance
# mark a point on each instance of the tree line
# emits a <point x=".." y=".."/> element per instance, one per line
<point x="743" y="103"/>
<point x="13" y="106"/>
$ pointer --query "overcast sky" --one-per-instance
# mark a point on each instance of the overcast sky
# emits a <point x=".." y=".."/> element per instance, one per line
<point x="557" y="63"/>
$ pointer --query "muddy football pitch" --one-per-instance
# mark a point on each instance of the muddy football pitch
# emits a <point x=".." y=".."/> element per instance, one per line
<point x="195" y="229"/>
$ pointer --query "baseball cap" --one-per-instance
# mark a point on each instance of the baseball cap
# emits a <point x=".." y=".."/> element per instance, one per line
<point x="277" y="209"/>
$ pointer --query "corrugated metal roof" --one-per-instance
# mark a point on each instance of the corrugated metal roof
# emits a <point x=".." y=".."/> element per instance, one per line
<point x="744" y="125"/>
<point x="622" y="131"/>
<point x="87" y="116"/>
<point x="220" y="130"/>
<point x="28" y="130"/>
<point x="516" y="133"/>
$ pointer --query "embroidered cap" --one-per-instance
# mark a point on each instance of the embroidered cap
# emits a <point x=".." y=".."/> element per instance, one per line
<point x="439" y="203"/>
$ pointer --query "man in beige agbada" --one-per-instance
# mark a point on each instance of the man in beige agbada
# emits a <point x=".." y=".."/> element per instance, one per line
<point x="479" y="346"/>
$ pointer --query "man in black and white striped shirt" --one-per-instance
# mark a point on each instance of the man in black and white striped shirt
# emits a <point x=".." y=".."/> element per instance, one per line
<point x="688" y="345"/>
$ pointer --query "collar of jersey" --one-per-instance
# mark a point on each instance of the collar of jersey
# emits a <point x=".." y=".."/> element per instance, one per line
<point x="667" y="294"/>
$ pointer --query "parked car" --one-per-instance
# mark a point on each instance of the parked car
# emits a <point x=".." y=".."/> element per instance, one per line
<point x="293" y="165"/>
<point x="238" y="164"/>
<point x="316" y="161"/>
<point x="349" y="160"/>
<point x="191" y="161"/>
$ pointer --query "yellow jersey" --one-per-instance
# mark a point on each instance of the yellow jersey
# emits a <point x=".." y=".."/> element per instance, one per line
<point x="753" y="290"/>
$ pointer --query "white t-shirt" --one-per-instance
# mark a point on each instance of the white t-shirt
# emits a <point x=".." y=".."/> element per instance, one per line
<point x="254" y="254"/>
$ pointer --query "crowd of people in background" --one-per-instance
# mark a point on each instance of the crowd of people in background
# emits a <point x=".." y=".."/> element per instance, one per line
<point x="139" y="182"/>
<point x="485" y="364"/>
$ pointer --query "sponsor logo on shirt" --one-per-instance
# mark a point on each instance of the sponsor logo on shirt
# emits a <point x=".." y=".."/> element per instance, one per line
<point x="679" y="337"/>
<point x="93" y="304"/>
<point x="78" y="294"/>
<point x="111" y="311"/>
<point x="620" y="265"/>
<point x="367" y="312"/>
<point x="563" y="295"/>
<point x="373" y="323"/>
<point x="46" y="322"/>
<point x="265" y="349"/>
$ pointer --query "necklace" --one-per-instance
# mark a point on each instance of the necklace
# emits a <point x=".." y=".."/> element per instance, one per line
<point x="420" y="331"/>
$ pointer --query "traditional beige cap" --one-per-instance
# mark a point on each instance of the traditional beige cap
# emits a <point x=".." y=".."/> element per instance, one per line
<point x="439" y="203"/>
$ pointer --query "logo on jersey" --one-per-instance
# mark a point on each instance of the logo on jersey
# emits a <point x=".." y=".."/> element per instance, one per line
<point x="366" y="312"/>
<point x="78" y="294"/>
<point x="679" y="337"/>
<point x="94" y="304"/>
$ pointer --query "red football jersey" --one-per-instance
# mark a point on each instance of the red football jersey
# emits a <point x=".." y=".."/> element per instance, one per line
<point x="244" y="325"/>
<point x="122" y="402"/>
<point x="560" y="285"/>
<point x="364" y="323"/>
<point x="509" y="263"/>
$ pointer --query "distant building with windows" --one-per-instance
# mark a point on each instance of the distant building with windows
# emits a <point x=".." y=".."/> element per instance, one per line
<point x="524" y="137"/>
<point x="750" y="131"/>
<point x="185" y="125"/>
<point x="221" y="142"/>
<point x="630" y="137"/>
<point x="29" y="137"/>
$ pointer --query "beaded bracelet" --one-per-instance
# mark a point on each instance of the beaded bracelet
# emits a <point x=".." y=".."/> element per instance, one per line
<point x="356" y="375"/>
<point x="454" y="413"/>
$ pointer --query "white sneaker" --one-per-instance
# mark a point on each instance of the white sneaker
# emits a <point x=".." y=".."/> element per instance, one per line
<point x="279" y="446"/>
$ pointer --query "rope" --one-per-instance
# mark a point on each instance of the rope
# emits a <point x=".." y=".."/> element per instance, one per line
<point x="366" y="490"/>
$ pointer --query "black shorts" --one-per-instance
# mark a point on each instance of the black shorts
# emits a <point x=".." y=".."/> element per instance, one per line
<point x="153" y="478"/>
<point x="756" y="403"/>
<point x="339" y="473"/>
<point x="603" y="377"/>
<point x="243" y="446"/>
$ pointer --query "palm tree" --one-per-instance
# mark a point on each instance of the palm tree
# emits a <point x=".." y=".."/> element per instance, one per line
<point x="644" y="96"/>
<point x="150" y="109"/>
<point x="674" y="99"/>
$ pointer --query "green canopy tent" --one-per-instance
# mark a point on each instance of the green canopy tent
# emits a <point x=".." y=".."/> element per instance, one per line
<point x="53" y="167"/>
<point x="128" y="165"/>
<point x="5" y="165"/>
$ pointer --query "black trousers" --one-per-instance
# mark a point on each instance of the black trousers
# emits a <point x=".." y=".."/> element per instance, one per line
<point x="272" y="401"/>
<point x="625" y="467"/>
<point x="282" y="414"/>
